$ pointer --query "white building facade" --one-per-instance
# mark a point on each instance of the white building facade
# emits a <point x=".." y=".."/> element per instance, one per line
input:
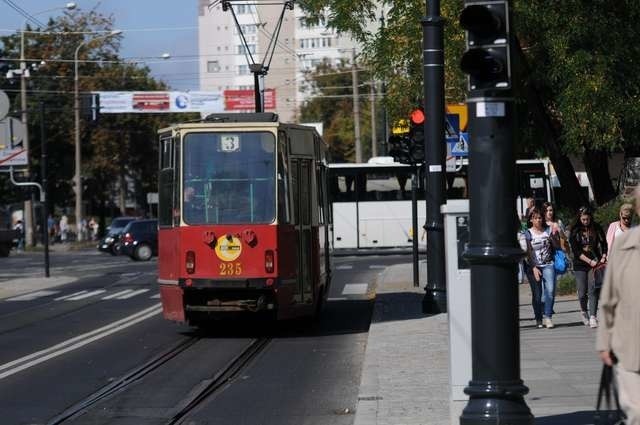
<point x="299" y="47"/>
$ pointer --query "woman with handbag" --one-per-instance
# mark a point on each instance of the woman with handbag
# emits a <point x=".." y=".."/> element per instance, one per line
<point x="541" y="246"/>
<point x="589" y="247"/>
<point x="618" y="338"/>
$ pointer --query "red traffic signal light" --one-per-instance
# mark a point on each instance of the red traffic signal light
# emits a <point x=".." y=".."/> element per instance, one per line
<point x="417" y="116"/>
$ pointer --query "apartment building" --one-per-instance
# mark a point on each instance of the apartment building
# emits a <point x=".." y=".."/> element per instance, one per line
<point x="224" y="59"/>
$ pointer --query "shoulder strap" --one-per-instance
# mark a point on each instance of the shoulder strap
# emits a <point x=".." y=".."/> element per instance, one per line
<point x="527" y="235"/>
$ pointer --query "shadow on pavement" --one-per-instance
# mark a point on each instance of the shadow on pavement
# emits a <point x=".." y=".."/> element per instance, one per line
<point x="398" y="306"/>
<point x="584" y="417"/>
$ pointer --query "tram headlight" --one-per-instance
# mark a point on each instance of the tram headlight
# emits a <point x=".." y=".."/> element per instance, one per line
<point x="190" y="262"/>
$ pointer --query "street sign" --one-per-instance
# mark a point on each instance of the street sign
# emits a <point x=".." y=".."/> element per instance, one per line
<point x="12" y="152"/>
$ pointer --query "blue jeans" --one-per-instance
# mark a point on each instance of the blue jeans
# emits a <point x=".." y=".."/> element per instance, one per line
<point x="536" y="293"/>
<point x="548" y="288"/>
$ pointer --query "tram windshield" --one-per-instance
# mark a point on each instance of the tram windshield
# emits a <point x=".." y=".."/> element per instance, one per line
<point x="228" y="178"/>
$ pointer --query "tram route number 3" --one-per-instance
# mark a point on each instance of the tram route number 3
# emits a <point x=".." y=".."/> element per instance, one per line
<point x="230" y="269"/>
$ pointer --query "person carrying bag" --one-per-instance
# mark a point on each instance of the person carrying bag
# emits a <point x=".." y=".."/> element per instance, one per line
<point x="608" y="411"/>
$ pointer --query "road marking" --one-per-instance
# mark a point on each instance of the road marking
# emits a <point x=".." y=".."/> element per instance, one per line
<point x="69" y="296"/>
<point x="133" y="294"/>
<point x="344" y="267"/>
<point x="87" y="295"/>
<point x="377" y="266"/>
<point x="117" y="294"/>
<point x="156" y="296"/>
<point x="337" y="299"/>
<point x="32" y="296"/>
<point x="38" y="357"/>
<point x="355" y="289"/>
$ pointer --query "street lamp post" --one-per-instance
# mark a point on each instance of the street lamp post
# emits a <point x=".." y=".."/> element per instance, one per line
<point x="28" y="207"/>
<point x="77" y="178"/>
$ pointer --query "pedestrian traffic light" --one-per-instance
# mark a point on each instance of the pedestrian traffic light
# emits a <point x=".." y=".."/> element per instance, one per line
<point x="487" y="58"/>
<point x="416" y="135"/>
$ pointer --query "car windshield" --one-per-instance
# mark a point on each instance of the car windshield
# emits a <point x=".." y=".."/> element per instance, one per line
<point x="229" y="178"/>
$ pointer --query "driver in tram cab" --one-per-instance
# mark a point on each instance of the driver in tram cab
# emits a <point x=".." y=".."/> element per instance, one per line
<point x="193" y="207"/>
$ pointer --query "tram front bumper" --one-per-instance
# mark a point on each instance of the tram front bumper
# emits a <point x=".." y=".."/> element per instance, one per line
<point x="217" y="296"/>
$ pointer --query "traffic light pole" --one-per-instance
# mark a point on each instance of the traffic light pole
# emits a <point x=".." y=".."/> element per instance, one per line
<point x="435" y="299"/>
<point x="496" y="392"/>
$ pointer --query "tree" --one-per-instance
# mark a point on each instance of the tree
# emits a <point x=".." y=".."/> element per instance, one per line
<point x="331" y="103"/>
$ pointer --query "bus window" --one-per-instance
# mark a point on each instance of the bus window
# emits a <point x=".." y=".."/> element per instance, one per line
<point x="387" y="186"/>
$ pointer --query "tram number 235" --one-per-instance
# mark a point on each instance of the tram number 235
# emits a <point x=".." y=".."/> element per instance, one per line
<point x="230" y="269"/>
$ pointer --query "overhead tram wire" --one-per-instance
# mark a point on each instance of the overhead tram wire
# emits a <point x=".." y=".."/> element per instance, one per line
<point x="24" y="13"/>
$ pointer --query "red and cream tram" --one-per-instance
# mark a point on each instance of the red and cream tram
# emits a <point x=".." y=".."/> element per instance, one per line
<point x="242" y="218"/>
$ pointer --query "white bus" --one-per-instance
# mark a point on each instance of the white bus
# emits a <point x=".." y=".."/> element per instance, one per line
<point x="371" y="202"/>
<point x="371" y="205"/>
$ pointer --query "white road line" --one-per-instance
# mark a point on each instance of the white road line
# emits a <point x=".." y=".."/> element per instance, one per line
<point x="344" y="267"/>
<point x="156" y="296"/>
<point x="377" y="266"/>
<point x="32" y="296"/>
<point x="355" y="289"/>
<point x="117" y="294"/>
<point x="69" y="296"/>
<point x="87" y="295"/>
<point x="133" y="294"/>
<point x="33" y="359"/>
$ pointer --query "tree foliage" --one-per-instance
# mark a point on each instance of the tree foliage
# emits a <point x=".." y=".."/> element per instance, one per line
<point x="117" y="145"/>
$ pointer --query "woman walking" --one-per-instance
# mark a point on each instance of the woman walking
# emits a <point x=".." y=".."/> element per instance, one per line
<point x="589" y="247"/>
<point x="541" y="245"/>
<point x="621" y="225"/>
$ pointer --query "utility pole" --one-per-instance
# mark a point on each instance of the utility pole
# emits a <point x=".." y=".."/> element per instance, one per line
<point x="435" y="298"/>
<point x="372" y="100"/>
<point x="28" y="204"/>
<point x="496" y="392"/>
<point x="356" y="106"/>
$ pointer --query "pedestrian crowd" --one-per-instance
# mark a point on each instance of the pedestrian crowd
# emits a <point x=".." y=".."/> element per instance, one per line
<point x="61" y="231"/>
<point x="606" y="266"/>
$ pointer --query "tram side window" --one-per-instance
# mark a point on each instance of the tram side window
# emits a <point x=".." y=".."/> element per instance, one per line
<point x="166" y="182"/>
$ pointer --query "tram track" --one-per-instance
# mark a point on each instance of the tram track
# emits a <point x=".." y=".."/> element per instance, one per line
<point x="200" y="394"/>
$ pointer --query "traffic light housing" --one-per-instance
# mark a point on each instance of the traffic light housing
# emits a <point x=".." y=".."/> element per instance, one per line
<point x="487" y="59"/>
<point x="399" y="148"/>
<point x="416" y="135"/>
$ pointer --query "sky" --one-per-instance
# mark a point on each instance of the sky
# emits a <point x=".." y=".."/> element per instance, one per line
<point x="150" y="28"/>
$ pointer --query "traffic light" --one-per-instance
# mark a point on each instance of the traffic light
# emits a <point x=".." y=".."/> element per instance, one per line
<point x="399" y="148"/>
<point x="90" y="106"/>
<point x="416" y="135"/>
<point x="487" y="59"/>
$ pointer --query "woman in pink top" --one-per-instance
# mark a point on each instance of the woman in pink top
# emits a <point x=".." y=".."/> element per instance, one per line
<point x="621" y="225"/>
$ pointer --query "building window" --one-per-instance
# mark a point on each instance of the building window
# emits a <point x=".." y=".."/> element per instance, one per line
<point x="242" y="9"/>
<point x="247" y="29"/>
<point x="213" y="66"/>
<point x="242" y="50"/>
<point x="243" y="69"/>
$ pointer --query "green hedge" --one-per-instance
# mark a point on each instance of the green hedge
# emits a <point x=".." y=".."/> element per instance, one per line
<point x="566" y="284"/>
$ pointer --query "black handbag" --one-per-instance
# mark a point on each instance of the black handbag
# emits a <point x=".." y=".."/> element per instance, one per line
<point x="610" y="413"/>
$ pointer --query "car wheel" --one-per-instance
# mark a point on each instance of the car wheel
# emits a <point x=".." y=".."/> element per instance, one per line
<point x="115" y="249"/>
<point x="143" y="252"/>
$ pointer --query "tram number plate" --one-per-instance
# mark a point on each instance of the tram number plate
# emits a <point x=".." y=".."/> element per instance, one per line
<point x="230" y="269"/>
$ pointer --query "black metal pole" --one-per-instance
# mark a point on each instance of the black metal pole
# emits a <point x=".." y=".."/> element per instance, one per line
<point x="414" y="225"/>
<point x="256" y="90"/>
<point x="44" y="199"/>
<point x="496" y="390"/>
<point x="435" y="299"/>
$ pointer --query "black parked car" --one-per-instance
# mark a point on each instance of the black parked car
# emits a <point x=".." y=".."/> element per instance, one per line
<point x="140" y="239"/>
<point x="111" y="242"/>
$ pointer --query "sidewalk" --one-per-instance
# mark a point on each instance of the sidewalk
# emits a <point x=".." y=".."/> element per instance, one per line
<point x="405" y="378"/>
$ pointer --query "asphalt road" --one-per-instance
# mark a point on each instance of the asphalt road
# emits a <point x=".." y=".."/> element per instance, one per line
<point x="59" y="347"/>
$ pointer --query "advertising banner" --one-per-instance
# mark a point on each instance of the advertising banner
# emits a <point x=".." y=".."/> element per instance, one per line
<point x="242" y="100"/>
<point x="118" y="102"/>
